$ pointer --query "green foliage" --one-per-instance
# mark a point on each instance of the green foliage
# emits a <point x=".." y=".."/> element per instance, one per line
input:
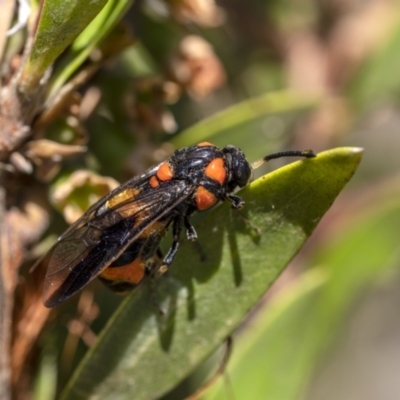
<point x="278" y="354"/>
<point x="91" y="37"/>
<point x="60" y="23"/>
<point x="230" y="123"/>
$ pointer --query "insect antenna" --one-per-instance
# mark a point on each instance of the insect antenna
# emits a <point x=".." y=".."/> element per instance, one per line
<point x="290" y="153"/>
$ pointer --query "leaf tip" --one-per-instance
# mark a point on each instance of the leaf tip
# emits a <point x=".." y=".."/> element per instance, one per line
<point x="357" y="150"/>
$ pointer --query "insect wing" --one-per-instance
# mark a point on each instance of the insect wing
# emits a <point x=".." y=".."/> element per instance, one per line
<point x="103" y="233"/>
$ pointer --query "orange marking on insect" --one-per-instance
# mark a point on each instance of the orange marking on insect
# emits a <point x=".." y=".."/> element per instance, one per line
<point x="204" y="198"/>
<point x="154" y="182"/>
<point x="201" y="144"/>
<point x="216" y="171"/>
<point x="164" y="172"/>
<point x="132" y="272"/>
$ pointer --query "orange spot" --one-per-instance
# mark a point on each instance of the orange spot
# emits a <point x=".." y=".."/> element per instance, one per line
<point x="215" y="170"/>
<point x="206" y="144"/>
<point x="132" y="273"/>
<point x="154" y="182"/>
<point x="164" y="172"/>
<point x="204" y="198"/>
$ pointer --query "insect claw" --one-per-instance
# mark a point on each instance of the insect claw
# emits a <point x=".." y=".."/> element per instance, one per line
<point x="236" y="201"/>
<point x="162" y="270"/>
<point x="191" y="233"/>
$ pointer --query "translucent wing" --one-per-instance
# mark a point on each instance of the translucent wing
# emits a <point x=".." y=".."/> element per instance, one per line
<point x="103" y="233"/>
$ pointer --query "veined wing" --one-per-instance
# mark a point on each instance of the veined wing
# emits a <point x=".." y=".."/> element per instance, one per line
<point x="103" y="233"/>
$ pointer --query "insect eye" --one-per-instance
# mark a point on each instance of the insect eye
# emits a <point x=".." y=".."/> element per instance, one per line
<point x="242" y="171"/>
<point x="239" y="166"/>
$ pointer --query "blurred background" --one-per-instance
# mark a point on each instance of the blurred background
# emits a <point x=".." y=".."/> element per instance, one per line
<point x="263" y="76"/>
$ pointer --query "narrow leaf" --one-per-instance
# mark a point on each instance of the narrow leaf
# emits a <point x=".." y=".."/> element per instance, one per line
<point x="85" y="43"/>
<point x="61" y="21"/>
<point x="244" y="112"/>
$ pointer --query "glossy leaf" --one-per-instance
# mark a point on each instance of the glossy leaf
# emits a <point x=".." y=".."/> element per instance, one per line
<point x="143" y="355"/>
<point x="286" y="343"/>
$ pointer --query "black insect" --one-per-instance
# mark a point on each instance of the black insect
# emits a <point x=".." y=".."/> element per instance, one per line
<point x="118" y="238"/>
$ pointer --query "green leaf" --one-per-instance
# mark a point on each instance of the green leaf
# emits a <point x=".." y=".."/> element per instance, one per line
<point x="276" y="357"/>
<point x="85" y="43"/>
<point x="61" y="21"/>
<point x="268" y="358"/>
<point x="46" y="381"/>
<point x="143" y="355"/>
<point x="239" y="117"/>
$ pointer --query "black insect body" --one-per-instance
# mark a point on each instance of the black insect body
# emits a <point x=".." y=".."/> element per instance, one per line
<point x="118" y="238"/>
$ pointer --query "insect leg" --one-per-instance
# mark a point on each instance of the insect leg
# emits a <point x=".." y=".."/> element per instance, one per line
<point x="176" y="233"/>
<point x="236" y="201"/>
<point x="190" y="231"/>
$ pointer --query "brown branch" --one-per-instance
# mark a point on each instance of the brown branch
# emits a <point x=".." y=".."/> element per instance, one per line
<point x="10" y="256"/>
